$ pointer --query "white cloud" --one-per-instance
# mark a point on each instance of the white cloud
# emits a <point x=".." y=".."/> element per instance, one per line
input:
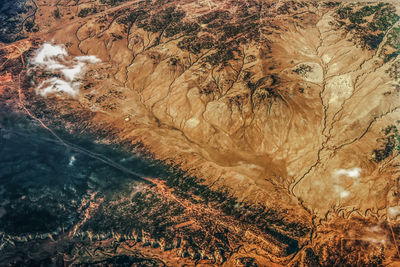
<point x="351" y="173"/>
<point x="53" y="58"/>
<point x="343" y="193"/>
<point x="394" y="211"/>
<point x="375" y="234"/>
<point x="73" y="73"/>
<point x="337" y="174"/>
<point x="89" y="59"/>
<point x="71" y="160"/>
<point x="49" y="53"/>
<point x="56" y="85"/>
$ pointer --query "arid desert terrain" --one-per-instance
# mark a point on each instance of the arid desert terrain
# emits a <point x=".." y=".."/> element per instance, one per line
<point x="202" y="133"/>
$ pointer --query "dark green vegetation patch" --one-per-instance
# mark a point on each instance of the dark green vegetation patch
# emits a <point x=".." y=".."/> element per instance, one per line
<point x="390" y="144"/>
<point x="368" y="23"/>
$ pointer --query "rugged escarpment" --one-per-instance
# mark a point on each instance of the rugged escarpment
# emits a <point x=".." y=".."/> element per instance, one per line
<point x="289" y="106"/>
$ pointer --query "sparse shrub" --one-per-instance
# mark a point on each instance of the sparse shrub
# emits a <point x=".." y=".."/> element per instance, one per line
<point x="86" y="12"/>
<point x="303" y="69"/>
<point x="56" y="13"/>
